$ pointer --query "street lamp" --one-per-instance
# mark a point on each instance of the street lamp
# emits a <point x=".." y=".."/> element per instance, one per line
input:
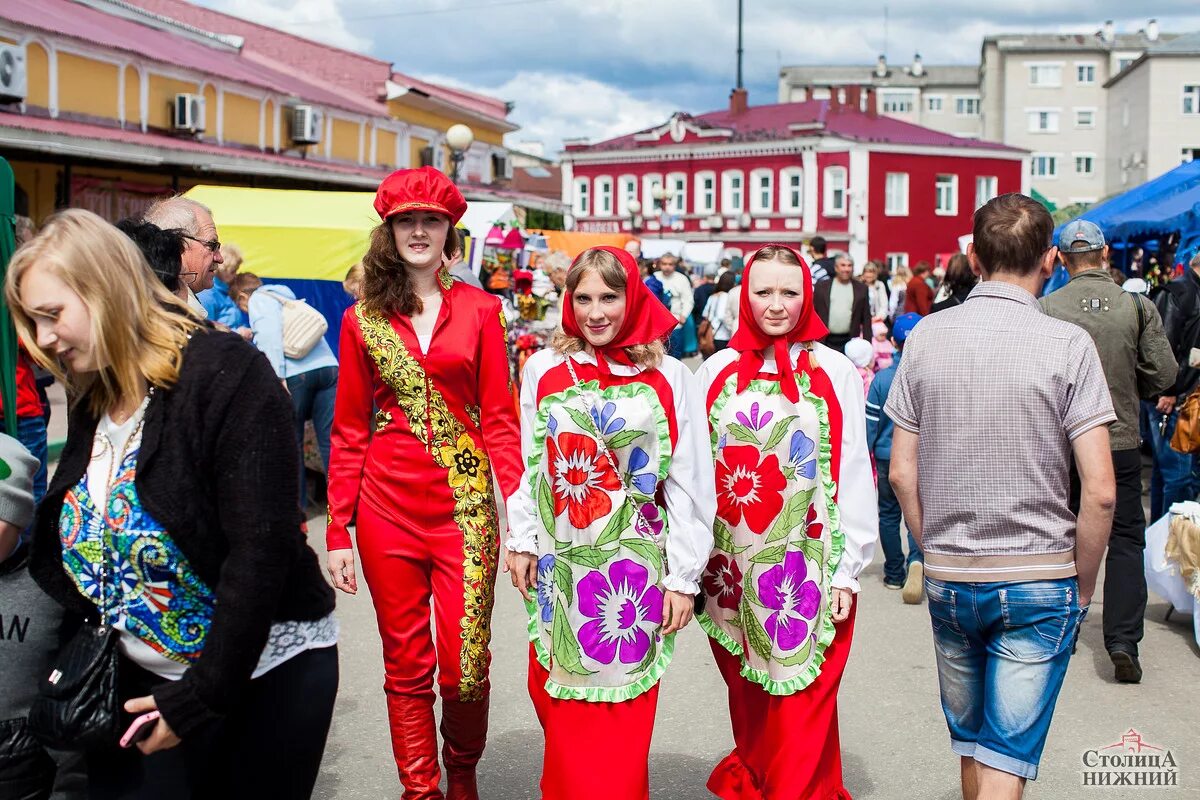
<point x="634" y="208"/>
<point x="662" y="196"/>
<point x="459" y="138"/>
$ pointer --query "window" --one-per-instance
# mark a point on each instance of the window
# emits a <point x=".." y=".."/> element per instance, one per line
<point x="706" y="193"/>
<point x="1085" y="73"/>
<point x="933" y="103"/>
<point x="1043" y="120"/>
<point x="966" y="106"/>
<point x="896" y="260"/>
<point x="1122" y="63"/>
<point x="1085" y="118"/>
<point x="677" y="183"/>
<point x="896" y="194"/>
<point x="1043" y="166"/>
<point x="1045" y="75"/>
<point x="1191" y="99"/>
<point x="732" y="192"/>
<point x="791" y="190"/>
<point x="604" y="197"/>
<point x="835" y="192"/>
<point x="626" y="191"/>
<point x="985" y="189"/>
<point x="946" y="195"/>
<point x="1189" y="154"/>
<point x="896" y="102"/>
<point x="582" y="206"/>
<point x="1085" y="164"/>
<point x="762" y="191"/>
<point x="650" y="206"/>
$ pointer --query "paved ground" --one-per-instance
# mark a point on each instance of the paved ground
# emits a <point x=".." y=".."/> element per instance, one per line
<point x="894" y="739"/>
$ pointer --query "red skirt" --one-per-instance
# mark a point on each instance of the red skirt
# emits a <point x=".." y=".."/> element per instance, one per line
<point x="785" y="748"/>
<point x="594" y="751"/>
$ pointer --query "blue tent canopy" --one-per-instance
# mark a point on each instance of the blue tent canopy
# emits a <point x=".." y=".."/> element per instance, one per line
<point x="1169" y="203"/>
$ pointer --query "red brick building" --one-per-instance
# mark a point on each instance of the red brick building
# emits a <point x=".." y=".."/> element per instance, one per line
<point x="875" y="186"/>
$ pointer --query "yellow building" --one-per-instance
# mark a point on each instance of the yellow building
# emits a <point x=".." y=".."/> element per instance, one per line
<point x="111" y="104"/>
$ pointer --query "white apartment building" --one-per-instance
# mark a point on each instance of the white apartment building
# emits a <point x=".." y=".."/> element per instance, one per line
<point x="1047" y="93"/>
<point x="945" y="98"/>
<point x="1154" y="114"/>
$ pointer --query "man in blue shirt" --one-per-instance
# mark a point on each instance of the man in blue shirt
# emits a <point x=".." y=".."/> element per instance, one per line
<point x="879" y="440"/>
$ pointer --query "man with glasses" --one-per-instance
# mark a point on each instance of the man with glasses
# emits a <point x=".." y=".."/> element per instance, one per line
<point x="202" y="248"/>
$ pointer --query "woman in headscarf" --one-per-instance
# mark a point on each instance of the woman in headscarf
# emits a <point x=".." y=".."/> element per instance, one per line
<point x="423" y="415"/>
<point x="611" y="526"/>
<point x="796" y="523"/>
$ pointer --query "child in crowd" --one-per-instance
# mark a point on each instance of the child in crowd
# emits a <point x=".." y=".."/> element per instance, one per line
<point x="862" y="354"/>
<point x="884" y="350"/>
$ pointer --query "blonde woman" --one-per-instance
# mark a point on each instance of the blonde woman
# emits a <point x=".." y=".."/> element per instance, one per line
<point x="172" y="519"/>
<point x="218" y="301"/>
<point x="610" y="527"/>
<point x="899" y="288"/>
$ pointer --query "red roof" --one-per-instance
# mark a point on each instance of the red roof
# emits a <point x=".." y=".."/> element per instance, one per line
<point x="352" y="71"/>
<point x="83" y="130"/>
<point x="773" y="122"/>
<point x="96" y="27"/>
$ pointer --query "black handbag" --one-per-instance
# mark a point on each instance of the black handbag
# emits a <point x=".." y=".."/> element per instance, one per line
<point x="77" y="706"/>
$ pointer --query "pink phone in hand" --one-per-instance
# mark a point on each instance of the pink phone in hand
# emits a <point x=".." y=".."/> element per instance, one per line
<point x="141" y="729"/>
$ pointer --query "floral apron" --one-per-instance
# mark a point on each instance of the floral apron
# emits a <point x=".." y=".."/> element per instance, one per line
<point x="596" y="623"/>
<point x="777" y="539"/>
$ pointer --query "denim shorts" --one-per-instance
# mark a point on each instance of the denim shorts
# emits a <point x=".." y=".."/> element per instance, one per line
<point x="1002" y="652"/>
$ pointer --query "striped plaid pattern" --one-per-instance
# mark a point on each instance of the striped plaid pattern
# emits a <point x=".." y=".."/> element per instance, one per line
<point x="996" y="391"/>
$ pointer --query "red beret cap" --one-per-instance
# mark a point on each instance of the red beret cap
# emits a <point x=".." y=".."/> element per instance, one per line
<point x="424" y="189"/>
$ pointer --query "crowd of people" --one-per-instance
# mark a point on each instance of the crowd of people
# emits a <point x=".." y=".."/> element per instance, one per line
<point x="640" y="494"/>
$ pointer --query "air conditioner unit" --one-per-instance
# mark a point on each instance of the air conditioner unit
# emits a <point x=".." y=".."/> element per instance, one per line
<point x="188" y="113"/>
<point x="306" y="125"/>
<point x="13" y="78"/>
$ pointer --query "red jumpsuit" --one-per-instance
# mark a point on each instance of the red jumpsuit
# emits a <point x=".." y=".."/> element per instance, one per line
<point x="415" y="437"/>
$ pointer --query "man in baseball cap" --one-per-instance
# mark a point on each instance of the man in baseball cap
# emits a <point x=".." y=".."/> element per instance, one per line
<point x="1138" y="363"/>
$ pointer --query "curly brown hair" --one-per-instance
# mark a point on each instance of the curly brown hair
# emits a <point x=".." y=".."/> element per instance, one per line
<point x="386" y="288"/>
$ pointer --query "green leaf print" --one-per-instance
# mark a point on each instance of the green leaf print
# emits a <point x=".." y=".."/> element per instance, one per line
<point x="651" y="654"/>
<point x="646" y="549"/>
<point x="562" y="579"/>
<point x="755" y="635"/>
<point x="779" y="430"/>
<point x="769" y="555"/>
<point x="564" y="645"/>
<point x="749" y="590"/>
<point x="545" y="505"/>
<point x="791" y="517"/>
<point x="624" y="439"/>
<point x="582" y="419"/>
<point x="799" y="657"/>
<point x="813" y="549"/>
<point x="618" y="523"/>
<point x="586" y="555"/>
<point x="723" y="539"/>
<point x="742" y="433"/>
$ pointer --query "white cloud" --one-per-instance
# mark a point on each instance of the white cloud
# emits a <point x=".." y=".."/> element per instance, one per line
<point x="322" y="20"/>
<point x="551" y="107"/>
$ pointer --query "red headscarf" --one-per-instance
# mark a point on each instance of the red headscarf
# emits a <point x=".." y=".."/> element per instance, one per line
<point x="646" y="318"/>
<point x="750" y="340"/>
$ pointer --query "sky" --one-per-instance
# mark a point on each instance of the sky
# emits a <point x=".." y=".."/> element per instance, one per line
<point x="601" y="68"/>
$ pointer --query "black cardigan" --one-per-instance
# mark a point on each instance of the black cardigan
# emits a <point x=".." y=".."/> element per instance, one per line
<point x="218" y="468"/>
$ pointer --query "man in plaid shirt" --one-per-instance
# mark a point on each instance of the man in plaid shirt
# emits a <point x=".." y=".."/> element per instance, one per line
<point x="992" y="400"/>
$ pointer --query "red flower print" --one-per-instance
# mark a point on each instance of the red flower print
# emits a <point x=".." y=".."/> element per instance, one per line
<point x="748" y="487"/>
<point x="723" y="580"/>
<point x="810" y="530"/>
<point x="581" y="478"/>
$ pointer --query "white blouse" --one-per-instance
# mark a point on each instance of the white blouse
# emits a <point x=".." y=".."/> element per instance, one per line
<point x="691" y="503"/>
<point x="858" y="502"/>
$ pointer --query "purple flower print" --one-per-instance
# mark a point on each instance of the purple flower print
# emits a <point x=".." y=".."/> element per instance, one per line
<point x="653" y="520"/>
<point x="644" y="482"/>
<point x="793" y="599"/>
<point x="545" y="586"/>
<point x="624" y="610"/>
<point x="605" y="421"/>
<point x="754" y="422"/>
<point x="801" y="448"/>
<point x="552" y="424"/>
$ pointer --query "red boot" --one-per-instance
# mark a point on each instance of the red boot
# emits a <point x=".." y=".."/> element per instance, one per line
<point x="414" y="743"/>
<point x="464" y="734"/>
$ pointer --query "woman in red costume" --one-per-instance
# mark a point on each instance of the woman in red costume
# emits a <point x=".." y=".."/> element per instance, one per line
<point x="796" y="523"/>
<point x="608" y="528"/>
<point x="424" y="410"/>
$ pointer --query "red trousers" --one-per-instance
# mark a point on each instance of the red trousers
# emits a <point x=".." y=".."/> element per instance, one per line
<point x="594" y="751"/>
<point x="406" y="568"/>
<point x="785" y="748"/>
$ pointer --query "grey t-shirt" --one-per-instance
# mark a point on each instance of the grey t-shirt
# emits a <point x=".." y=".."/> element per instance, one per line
<point x="841" y="304"/>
